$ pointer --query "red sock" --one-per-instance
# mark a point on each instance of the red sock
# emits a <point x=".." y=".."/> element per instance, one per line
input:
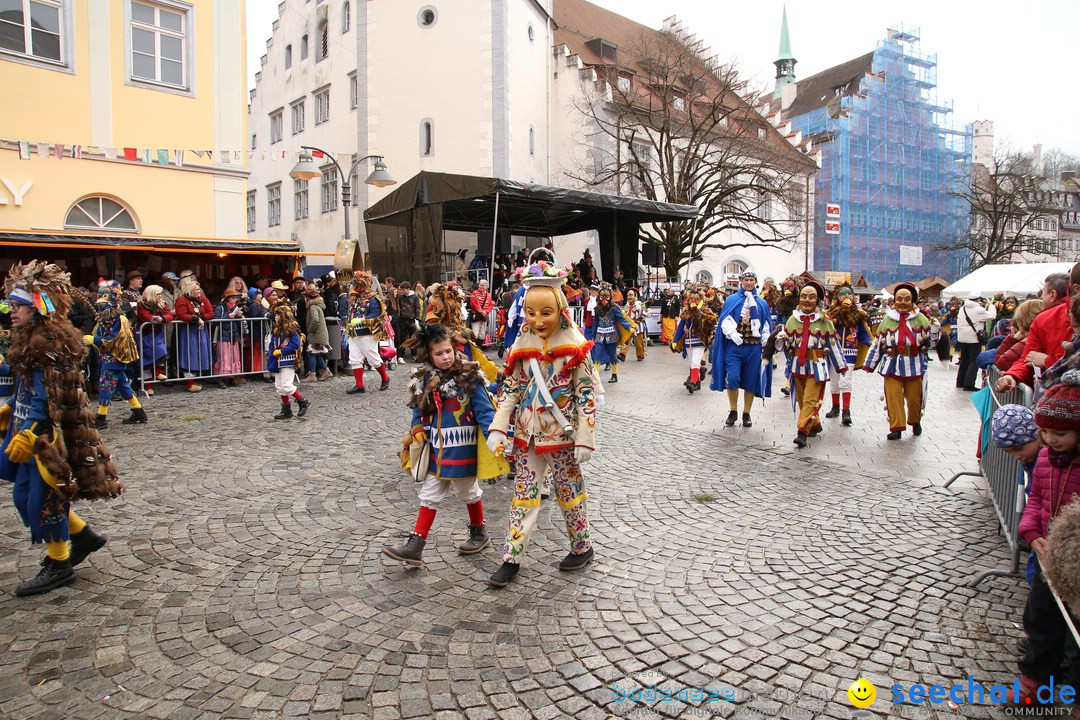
<point x="297" y="395"/>
<point x="284" y="399"/>
<point x="695" y="374"/>
<point x="382" y="372"/>
<point x="358" y="373"/>
<point x="835" y="399"/>
<point x="476" y="513"/>
<point x="847" y="401"/>
<point x="423" y="521"/>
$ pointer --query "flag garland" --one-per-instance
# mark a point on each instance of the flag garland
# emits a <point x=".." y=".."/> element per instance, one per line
<point x="163" y="157"/>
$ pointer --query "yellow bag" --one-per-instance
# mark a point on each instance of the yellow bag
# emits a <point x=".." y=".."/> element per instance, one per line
<point x="122" y="347"/>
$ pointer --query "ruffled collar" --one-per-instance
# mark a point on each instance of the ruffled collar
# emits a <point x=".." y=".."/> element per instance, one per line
<point x="800" y="315"/>
<point x="895" y="314"/>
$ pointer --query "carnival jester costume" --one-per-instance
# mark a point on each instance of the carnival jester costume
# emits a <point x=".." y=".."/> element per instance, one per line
<point x="608" y="330"/>
<point x="52" y="451"/>
<point x="284" y="353"/>
<point x="636" y="313"/>
<point x="854" y="337"/>
<point x="737" y="362"/>
<point x="553" y="389"/>
<point x="116" y="343"/>
<point x="695" y="331"/>
<point x="900" y="355"/>
<point x="367" y="326"/>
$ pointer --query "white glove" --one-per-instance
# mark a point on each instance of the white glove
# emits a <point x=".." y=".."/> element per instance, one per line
<point x="598" y="400"/>
<point x="495" y="438"/>
<point x="735" y="337"/>
<point x="582" y="454"/>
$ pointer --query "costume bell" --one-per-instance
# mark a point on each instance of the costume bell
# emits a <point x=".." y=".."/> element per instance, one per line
<point x="117" y="346"/>
<point x="812" y="349"/>
<point x="555" y="393"/>
<point x="608" y="329"/>
<point x="736" y="350"/>
<point x="367" y="326"/>
<point x="854" y="337"/>
<point x="900" y="355"/>
<point x="697" y="324"/>
<point x="52" y="451"/>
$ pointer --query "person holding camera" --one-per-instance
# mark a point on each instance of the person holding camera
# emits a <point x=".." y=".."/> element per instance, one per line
<point x="971" y="336"/>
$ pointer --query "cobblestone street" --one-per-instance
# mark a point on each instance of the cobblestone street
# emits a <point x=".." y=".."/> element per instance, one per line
<point x="243" y="577"/>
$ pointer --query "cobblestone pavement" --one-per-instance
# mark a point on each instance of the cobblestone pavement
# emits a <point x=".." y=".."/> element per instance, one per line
<point x="243" y="577"/>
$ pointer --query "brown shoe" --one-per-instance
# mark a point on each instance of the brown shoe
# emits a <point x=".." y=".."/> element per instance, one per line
<point x="324" y="375"/>
<point x="193" y="387"/>
<point x="240" y="381"/>
<point x="309" y="378"/>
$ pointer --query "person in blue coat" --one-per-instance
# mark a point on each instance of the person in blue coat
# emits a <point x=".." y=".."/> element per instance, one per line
<point x="745" y="322"/>
<point x="284" y="349"/>
<point x="609" y="329"/>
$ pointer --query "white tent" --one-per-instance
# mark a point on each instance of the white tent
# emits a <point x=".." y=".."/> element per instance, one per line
<point x="1015" y="279"/>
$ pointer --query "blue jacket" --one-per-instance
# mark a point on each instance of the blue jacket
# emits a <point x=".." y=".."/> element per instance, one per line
<point x="228" y="330"/>
<point x="103" y="334"/>
<point x="288" y="347"/>
<point x="462" y="422"/>
<point x="372" y="309"/>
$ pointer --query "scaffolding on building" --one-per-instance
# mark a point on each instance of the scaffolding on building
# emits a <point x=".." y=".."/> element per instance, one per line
<point x="894" y="161"/>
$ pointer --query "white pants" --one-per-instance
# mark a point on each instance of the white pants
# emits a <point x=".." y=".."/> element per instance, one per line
<point x="285" y="381"/>
<point x="841" y="383"/>
<point x="434" y="491"/>
<point x="479" y="329"/>
<point x="365" y="347"/>
<point x="695" y="354"/>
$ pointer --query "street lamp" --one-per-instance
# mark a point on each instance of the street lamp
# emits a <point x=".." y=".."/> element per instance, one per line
<point x="306" y="169"/>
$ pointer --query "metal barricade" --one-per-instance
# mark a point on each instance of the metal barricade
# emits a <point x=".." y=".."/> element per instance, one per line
<point x="577" y="314"/>
<point x="1006" y="479"/>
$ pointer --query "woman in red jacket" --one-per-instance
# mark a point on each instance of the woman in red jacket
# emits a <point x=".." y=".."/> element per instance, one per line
<point x="1011" y="348"/>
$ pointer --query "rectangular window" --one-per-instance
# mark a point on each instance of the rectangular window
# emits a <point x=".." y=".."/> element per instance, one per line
<point x="352" y="90"/>
<point x="252" y="141"/>
<point x="251" y="211"/>
<point x="273" y="204"/>
<point x="33" y="28"/>
<point x="276" y="126"/>
<point x="298" y="117"/>
<point x="329" y="188"/>
<point x="159" y="43"/>
<point x="624" y="83"/>
<point x="322" y="106"/>
<point x="300" y="199"/>
<point x="354" y="183"/>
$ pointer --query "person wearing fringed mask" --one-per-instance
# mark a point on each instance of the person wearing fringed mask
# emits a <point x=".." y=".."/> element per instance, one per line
<point x="551" y="385"/>
<point x="854" y="337"/>
<point x="900" y="355"/>
<point x="608" y="329"/>
<point x="812" y="350"/>
<point x="745" y="322"/>
<point x="693" y="334"/>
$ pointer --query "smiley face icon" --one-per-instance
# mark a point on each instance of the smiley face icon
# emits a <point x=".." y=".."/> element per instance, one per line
<point x="862" y="693"/>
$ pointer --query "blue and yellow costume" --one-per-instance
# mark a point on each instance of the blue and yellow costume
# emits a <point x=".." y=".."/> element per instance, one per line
<point x="116" y="343"/>
<point x="609" y="330"/>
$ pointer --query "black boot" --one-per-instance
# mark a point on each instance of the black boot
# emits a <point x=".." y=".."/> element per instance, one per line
<point x="102" y="422"/>
<point x="478" y="540"/>
<point x="54" y="574"/>
<point x="303" y="405"/>
<point x="834" y="411"/>
<point x="814" y="432"/>
<point x="410" y="553"/>
<point x="689" y="387"/>
<point x="355" y="390"/>
<point x="385" y="385"/>
<point x="916" y="429"/>
<point x="746" y="420"/>
<point x="286" y="412"/>
<point x="138" y="415"/>
<point x="614" y="378"/>
<point x="894" y="435"/>
<point x="785" y="390"/>
<point x="846" y="418"/>
<point x="504" y="575"/>
<point x="85" y="542"/>
<point x="732" y="418"/>
<point x="800" y="439"/>
<point x="575" y="561"/>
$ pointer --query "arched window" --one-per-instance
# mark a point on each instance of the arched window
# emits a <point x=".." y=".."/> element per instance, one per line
<point x="735" y="267"/>
<point x="532" y="140"/>
<point x="427" y="137"/>
<point x="324" y="41"/>
<point x="303" y="47"/>
<point x="100" y="213"/>
<point x="288" y="56"/>
<point x="346" y="17"/>
<point x="704" y="276"/>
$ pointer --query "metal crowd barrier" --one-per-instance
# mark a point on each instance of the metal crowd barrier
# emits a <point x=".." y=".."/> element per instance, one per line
<point x="577" y="314"/>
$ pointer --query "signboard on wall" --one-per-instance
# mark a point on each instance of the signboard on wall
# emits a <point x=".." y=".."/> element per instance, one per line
<point x="832" y="210"/>
<point x="832" y="227"/>
<point x="911" y="255"/>
<point x="832" y="279"/>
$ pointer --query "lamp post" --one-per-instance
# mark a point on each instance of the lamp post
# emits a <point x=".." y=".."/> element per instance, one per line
<point x="306" y="169"/>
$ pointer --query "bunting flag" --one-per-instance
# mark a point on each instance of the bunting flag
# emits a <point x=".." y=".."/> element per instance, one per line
<point x="76" y="152"/>
<point x="146" y="155"/>
<point x="149" y="156"/>
<point x="110" y="153"/>
<point x="317" y="153"/>
<point x="131" y="154"/>
<point x="43" y="150"/>
<point x="199" y="153"/>
<point x="236" y="155"/>
<point x="162" y="157"/>
<point x="223" y="156"/>
<point x="179" y="158"/>
<point x="58" y="151"/>
<point x="24" y="150"/>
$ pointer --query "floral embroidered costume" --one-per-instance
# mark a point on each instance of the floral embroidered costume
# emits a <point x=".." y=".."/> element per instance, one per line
<point x="284" y="353"/>
<point x="553" y="389"/>
<point x="812" y="348"/>
<point x="452" y="410"/>
<point x="854" y="337"/>
<point x="695" y="331"/>
<point x="901" y="355"/>
<point x="52" y="451"/>
<point x="367" y="326"/>
<point x="609" y="329"/>
<point x="116" y="343"/>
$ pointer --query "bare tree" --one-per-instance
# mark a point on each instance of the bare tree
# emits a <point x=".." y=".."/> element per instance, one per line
<point x="668" y="125"/>
<point x="1056" y="161"/>
<point x="1007" y="205"/>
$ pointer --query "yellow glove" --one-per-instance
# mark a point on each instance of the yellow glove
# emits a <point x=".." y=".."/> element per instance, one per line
<point x="5" y="417"/>
<point x="20" y="449"/>
<point x="88" y="339"/>
<point x="277" y="353"/>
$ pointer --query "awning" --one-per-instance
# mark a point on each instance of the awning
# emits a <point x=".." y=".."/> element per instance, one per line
<point x="145" y="243"/>
<point x="1017" y="279"/>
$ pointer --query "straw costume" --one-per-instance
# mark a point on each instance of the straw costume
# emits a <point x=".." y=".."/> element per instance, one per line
<point x="116" y="343"/>
<point x="367" y="326"/>
<point x="285" y="344"/>
<point x="854" y="337"/>
<point x="695" y="331"/>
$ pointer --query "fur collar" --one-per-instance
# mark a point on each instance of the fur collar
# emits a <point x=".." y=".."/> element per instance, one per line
<point x="893" y="314"/>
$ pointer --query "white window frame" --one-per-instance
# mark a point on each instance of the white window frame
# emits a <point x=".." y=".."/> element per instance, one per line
<point x="65" y="63"/>
<point x="277" y="125"/>
<point x="330" y="188"/>
<point x="100" y="222"/>
<point x="354" y="94"/>
<point x="300" y="199"/>
<point x="187" y="40"/>
<point x="322" y="49"/>
<point x="346" y="17"/>
<point x="322" y="104"/>
<point x="251" y="207"/>
<point x="298" y="118"/>
<point x="427" y="137"/>
<point x="273" y="204"/>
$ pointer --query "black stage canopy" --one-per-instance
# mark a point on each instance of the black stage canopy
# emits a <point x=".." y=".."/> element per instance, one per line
<point x="405" y="228"/>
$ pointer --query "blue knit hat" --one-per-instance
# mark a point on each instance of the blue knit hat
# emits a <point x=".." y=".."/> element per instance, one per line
<point x="1013" y="426"/>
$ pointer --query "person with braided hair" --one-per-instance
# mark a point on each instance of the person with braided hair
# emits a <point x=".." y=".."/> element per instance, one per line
<point x="116" y="343"/>
<point x="51" y="450"/>
<point x="366" y="328"/>
<point x="695" y="331"/>
<point x="285" y="344"/>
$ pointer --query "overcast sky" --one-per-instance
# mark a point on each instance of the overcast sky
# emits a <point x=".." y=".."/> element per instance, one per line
<point x="1004" y="61"/>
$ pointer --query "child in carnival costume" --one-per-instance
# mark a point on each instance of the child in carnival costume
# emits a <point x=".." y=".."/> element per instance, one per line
<point x="452" y="410"/>
<point x="695" y="331"/>
<point x="812" y="347"/>
<point x="854" y="336"/>
<point x="555" y="392"/>
<point x="901" y="355"/>
<point x="608" y="329"/>
<point x="635" y="311"/>
<point x="367" y="327"/>
<point x="116" y="343"/>
<point x="52" y="451"/>
<point x="285" y="344"/>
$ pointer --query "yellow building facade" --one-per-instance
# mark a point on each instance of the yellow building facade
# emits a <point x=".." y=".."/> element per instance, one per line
<point x="123" y="137"/>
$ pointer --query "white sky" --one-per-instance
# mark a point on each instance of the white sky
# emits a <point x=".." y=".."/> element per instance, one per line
<point x="997" y="60"/>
